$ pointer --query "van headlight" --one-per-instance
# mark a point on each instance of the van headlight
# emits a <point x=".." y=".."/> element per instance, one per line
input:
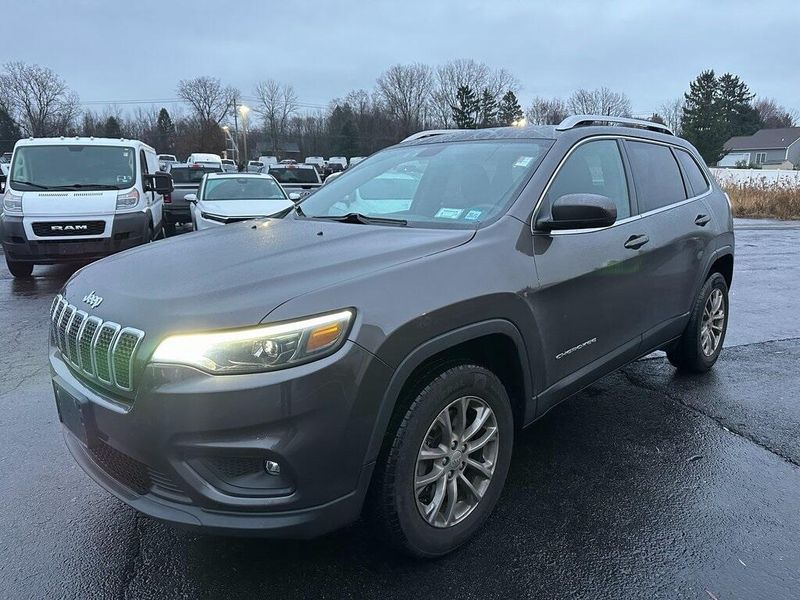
<point x="12" y="203"/>
<point x="257" y="349"/>
<point x="128" y="199"/>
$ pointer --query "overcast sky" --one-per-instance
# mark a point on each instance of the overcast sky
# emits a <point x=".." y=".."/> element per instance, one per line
<point x="113" y="50"/>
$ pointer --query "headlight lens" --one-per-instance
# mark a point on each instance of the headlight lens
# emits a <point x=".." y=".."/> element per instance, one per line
<point x="257" y="349"/>
<point x="12" y="203"/>
<point x="128" y="200"/>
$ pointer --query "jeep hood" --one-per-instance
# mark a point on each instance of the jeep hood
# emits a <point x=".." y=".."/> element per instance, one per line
<point x="235" y="275"/>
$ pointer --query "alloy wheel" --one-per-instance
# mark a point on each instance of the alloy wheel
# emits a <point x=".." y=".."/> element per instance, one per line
<point x="713" y="322"/>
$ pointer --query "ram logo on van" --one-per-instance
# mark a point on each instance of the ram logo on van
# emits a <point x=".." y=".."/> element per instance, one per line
<point x="77" y="227"/>
<point x="92" y="299"/>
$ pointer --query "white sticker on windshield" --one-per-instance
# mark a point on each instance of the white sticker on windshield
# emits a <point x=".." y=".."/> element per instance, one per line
<point x="448" y="213"/>
<point x="523" y="161"/>
<point x="473" y="215"/>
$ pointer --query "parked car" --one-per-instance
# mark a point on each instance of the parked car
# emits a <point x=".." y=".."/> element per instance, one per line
<point x="338" y="160"/>
<point x="289" y="375"/>
<point x="78" y="199"/>
<point x="302" y="179"/>
<point x="288" y="161"/>
<point x="317" y="161"/>
<point x="205" y="159"/>
<point x="227" y="198"/>
<point x="229" y="166"/>
<point x="4" y="169"/>
<point x="254" y="166"/>
<point x="268" y="161"/>
<point x="186" y="180"/>
<point x="355" y="160"/>
<point x="165" y="160"/>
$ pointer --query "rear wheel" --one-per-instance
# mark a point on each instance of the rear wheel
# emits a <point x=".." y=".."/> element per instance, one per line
<point x="19" y="269"/>
<point x="445" y="465"/>
<point x="701" y="343"/>
<point x="169" y="229"/>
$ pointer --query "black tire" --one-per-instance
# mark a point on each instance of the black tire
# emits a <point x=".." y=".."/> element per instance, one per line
<point x="392" y="501"/>
<point x="687" y="354"/>
<point x="169" y="229"/>
<point x="20" y="270"/>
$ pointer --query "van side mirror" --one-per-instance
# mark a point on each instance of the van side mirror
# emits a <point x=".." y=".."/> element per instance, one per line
<point x="294" y="196"/>
<point x="160" y="183"/>
<point x="579" y="211"/>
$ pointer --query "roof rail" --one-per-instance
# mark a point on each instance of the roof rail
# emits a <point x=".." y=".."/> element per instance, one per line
<point x="581" y="120"/>
<point x="430" y="133"/>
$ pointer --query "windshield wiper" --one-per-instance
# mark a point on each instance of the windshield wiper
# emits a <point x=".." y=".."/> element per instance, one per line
<point x="355" y="217"/>
<point x="87" y="186"/>
<point x="38" y="186"/>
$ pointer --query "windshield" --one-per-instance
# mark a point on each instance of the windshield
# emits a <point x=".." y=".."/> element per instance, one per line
<point x="167" y="157"/>
<point x="295" y="175"/>
<point x="61" y="166"/>
<point x="191" y="174"/>
<point x="242" y="188"/>
<point x="455" y="184"/>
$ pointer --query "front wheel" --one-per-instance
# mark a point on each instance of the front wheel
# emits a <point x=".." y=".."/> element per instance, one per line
<point x="20" y="270"/>
<point x="699" y="347"/>
<point x="444" y="467"/>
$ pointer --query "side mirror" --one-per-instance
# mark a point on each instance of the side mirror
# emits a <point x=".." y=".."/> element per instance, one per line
<point x="579" y="211"/>
<point x="191" y="198"/>
<point x="294" y="196"/>
<point x="160" y="183"/>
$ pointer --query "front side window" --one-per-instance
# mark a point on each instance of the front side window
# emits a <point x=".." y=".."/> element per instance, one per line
<point x="457" y="184"/>
<point x="73" y="167"/>
<point x="697" y="181"/>
<point x="594" y="168"/>
<point x="657" y="176"/>
<point x="242" y="188"/>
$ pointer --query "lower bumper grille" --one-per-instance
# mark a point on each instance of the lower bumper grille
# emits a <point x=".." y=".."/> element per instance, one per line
<point x="68" y="228"/>
<point x="121" y="467"/>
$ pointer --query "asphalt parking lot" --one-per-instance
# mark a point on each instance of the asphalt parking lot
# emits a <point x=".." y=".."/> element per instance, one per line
<point x="646" y="485"/>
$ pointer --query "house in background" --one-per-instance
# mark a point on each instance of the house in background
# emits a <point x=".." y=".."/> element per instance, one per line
<point x="765" y="149"/>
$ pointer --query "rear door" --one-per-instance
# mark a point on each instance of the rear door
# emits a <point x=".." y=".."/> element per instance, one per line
<point x="587" y="306"/>
<point x="678" y="221"/>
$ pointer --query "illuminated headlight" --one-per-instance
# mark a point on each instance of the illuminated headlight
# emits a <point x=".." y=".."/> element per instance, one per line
<point x="12" y="203"/>
<point x="128" y="200"/>
<point x="257" y="349"/>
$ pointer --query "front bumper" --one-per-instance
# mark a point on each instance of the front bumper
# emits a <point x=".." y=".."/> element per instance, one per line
<point x="190" y="448"/>
<point x="128" y="230"/>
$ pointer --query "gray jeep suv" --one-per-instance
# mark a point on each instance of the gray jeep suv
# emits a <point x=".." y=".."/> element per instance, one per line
<point x="376" y="349"/>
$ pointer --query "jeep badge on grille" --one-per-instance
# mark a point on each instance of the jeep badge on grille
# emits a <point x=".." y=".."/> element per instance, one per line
<point x="92" y="299"/>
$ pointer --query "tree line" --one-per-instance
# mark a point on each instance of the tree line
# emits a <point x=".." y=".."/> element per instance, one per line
<point x="35" y="101"/>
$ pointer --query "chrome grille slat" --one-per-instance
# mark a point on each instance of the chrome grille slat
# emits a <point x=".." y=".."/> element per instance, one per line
<point x="102" y="350"/>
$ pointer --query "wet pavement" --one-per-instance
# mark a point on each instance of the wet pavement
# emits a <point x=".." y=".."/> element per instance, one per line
<point x="645" y="485"/>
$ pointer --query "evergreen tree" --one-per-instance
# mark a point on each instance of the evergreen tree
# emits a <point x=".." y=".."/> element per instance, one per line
<point x="735" y="107"/>
<point x="701" y="123"/>
<point x="343" y="132"/>
<point x="510" y="111"/>
<point x="466" y="108"/>
<point x="9" y="131"/>
<point x="166" y="132"/>
<point x="112" y="128"/>
<point x="488" y="110"/>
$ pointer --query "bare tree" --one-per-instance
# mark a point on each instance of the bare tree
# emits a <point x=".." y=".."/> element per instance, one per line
<point x="601" y="101"/>
<point x="209" y="99"/>
<point x="472" y="74"/>
<point x="773" y="115"/>
<point x="39" y="100"/>
<point x="405" y="90"/>
<point x="543" y="111"/>
<point x="672" y="113"/>
<point x="276" y="104"/>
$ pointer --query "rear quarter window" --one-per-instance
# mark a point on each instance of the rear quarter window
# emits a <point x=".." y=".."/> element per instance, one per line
<point x="656" y="174"/>
<point x="697" y="181"/>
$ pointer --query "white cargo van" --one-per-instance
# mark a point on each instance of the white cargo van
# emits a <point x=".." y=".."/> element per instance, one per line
<point x="77" y="199"/>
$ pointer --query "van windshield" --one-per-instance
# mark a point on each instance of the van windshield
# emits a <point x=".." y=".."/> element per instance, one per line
<point x="73" y="167"/>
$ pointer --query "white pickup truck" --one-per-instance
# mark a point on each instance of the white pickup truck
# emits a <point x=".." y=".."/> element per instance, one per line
<point x="78" y="199"/>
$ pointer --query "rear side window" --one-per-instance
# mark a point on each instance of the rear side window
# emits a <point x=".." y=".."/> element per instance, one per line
<point x="657" y="176"/>
<point x="694" y="174"/>
<point x="594" y="168"/>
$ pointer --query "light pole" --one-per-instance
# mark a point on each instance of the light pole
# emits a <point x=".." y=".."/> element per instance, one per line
<point x="243" y="111"/>
<point x="229" y="140"/>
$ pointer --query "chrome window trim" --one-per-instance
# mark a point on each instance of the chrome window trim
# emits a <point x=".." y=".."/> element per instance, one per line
<point x="566" y="156"/>
<point x="139" y="336"/>
<point x="115" y="327"/>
